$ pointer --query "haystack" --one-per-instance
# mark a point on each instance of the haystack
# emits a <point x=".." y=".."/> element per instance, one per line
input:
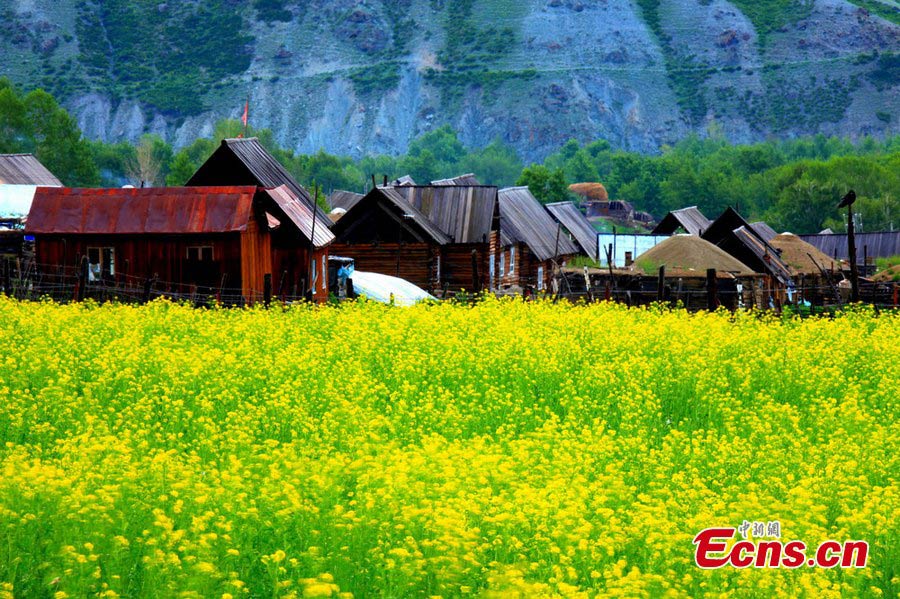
<point x="796" y="254"/>
<point x="590" y="191"/>
<point x="690" y="253"/>
<point x="888" y="275"/>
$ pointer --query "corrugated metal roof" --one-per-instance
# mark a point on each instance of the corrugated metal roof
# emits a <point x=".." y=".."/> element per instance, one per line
<point x="881" y="244"/>
<point x="134" y="211"/>
<point x="690" y="219"/>
<point x="524" y="220"/>
<point x="467" y="214"/>
<point x="25" y="169"/>
<point x="343" y="199"/>
<point x="262" y="166"/>
<point x="577" y="224"/>
<point x="301" y="215"/>
<point x="467" y="179"/>
<point x="764" y="230"/>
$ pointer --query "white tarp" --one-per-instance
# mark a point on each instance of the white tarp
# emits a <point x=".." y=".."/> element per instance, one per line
<point x="15" y="200"/>
<point x="378" y="287"/>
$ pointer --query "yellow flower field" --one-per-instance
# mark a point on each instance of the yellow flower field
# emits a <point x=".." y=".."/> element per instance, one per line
<point x="501" y="450"/>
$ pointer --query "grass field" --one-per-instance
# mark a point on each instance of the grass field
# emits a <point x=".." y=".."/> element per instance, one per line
<point x="500" y="450"/>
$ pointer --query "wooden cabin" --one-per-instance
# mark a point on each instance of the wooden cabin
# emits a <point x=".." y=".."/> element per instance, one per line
<point x="469" y="215"/>
<point x="579" y="228"/>
<point x="220" y="241"/>
<point x="733" y="234"/>
<point x="689" y="220"/>
<point x="532" y="244"/>
<point x="384" y="233"/>
<point x="247" y="162"/>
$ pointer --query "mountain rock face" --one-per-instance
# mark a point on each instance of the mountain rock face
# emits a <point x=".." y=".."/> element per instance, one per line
<point x="358" y="77"/>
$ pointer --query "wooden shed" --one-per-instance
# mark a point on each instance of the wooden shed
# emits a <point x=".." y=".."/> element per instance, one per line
<point x="221" y="240"/>
<point x="733" y="234"/>
<point x="384" y="233"/>
<point x="532" y="244"/>
<point x="469" y="215"/>
<point x="690" y="220"/>
<point x="579" y="228"/>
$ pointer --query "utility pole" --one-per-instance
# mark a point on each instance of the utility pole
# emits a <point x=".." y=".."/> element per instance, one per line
<point x="847" y="201"/>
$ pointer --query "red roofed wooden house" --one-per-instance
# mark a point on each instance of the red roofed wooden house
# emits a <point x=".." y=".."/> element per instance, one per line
<point x="221" y="240"/>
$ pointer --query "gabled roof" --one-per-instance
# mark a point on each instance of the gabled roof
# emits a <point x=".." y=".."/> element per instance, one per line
<point x="467" y="179"/>
<point x="524" y="220"/>
<point x="25" y="169"/>
<point x="577" y="225"/>
<point x="466" y="214"/>
<point x="300" y="214"/>
<point x="134" y="211"/>
<point x="343" y="199"/>
<point x="690" y="219"/>
<point x="400" y="208"/>
<point x="247" y="162"/>
<point x="764" y="230"/>
<point x="767" y="255"/>
<point x="404" y="180"/>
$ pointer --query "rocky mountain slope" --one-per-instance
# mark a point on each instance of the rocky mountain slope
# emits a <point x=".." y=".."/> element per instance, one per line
<point x="367" y="76"/>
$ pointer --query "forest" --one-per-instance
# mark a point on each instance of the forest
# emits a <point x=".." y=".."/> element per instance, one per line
<point x="794" y="185"/>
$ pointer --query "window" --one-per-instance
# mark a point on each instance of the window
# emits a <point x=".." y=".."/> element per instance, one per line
<point x="101" y="263"/>
<point x="324" y="270"/>
<point x="438" y="267"/>
<point x="491" y="264"/>
<point x="502" y="263"/>
<point x="512" y="259"/>
<point x="200" y="253"/>
<point x="540" y="278"/>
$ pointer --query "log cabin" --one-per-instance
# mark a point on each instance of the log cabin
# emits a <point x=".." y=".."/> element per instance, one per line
<point x="223" y="241"/>
<point x="532" y="243"/>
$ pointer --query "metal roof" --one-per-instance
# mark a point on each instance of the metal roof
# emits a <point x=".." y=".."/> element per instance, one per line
<point x="264" y="170"/>
<point x="134" y="211"/>
<point x="764" y="230"/>
<point x="467" y="179"/>
<point x="399" y="204"/>
<point x="467" y="214"/>
<point x="343" y="199"/>
<point x="524" y="220"/>
<point x="690" y="219"/>
<point x="25" y="169"/>
<point x="577" y="225"/>
<point x="880" y="244"/>
<point x="300" y="214"/>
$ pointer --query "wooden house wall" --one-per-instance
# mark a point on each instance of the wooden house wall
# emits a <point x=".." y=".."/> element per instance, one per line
<point x="291" y="266"/>
<point x="525" y="273"/>
<point x="414" y="262"/>
<point x="457" y="267"/>
<point x="162" y="256"/>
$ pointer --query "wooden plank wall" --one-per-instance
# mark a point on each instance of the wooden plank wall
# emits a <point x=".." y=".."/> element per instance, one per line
<point x="256" y="259"/>
<point x="417" y="262"/>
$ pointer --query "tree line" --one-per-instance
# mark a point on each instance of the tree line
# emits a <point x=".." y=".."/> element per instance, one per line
<point x="794" y="185"/>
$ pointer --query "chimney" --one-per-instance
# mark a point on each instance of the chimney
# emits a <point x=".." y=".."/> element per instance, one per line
<point x="385" y="180"/>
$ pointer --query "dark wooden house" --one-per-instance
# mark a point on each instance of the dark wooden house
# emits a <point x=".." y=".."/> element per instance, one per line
<point x="690" y="220"/>
<point x="733" y="234"/>
<point x="469" y="215"/>
<point x="384" y="233"/>
<point x="532" y="244"/>
<point x="247" y="162"/>
<point x="186" y="240"/>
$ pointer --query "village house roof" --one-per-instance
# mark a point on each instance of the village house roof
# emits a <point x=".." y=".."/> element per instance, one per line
<point x="881" y="244"/>
<point x="577" y="224"/>
<point x="735" y="235"/>
<point x="401" y="210"/>
<point x="524" y="220"/>
<point x="166" y="210"/>
<point x="466" y="214"/>
<point x="401" y="181"/>
<point x="690" y="219"/>
<point x="766" y="254"/>
<point x="343" y="199"/>
<point x="467" y="179"/>
<point x="25" y="169"/>
<point x="764" y="230"/>
<point x="247" y="162"/>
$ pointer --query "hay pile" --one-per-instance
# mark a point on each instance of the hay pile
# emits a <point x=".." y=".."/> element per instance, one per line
<point x="888" y="275"/>
<point x="590" y="191"/>
<point x="795" y="253"/>
<point x="690" y="253"/>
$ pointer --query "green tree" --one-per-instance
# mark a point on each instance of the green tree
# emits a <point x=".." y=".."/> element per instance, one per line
<point x="546" y="185"/>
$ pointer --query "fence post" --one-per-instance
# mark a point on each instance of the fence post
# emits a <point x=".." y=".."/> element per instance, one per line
<point x="6" y="278"/>
<point x="82" y="279"/>
<point x="661" y="284"/>
<point x="148" y="285"/>
<point x="267" y="289"/>
<point x="711" y="289"/>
